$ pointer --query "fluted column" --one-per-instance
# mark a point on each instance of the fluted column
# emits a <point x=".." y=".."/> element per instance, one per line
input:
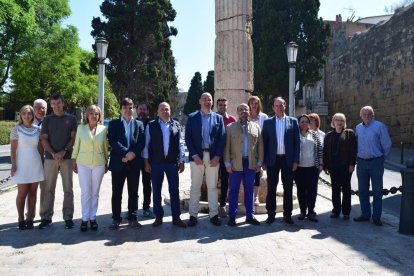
<point x="233" y="69"/>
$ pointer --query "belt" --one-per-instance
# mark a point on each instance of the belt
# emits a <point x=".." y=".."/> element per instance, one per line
<point x="370" y="159"/>
<point x="206" y="150"/>
<point x="245" y="157"/>
<point x="280" y="155"/>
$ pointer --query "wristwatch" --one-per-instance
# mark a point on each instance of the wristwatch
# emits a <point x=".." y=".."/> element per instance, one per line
<point x="66" y="149"/>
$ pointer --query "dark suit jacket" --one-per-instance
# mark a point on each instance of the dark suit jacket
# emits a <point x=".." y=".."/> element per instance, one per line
<point x="347" y="149"/>
<point x="193" y="134"/>
<point x="292" y="141"/>
<point x="118" y="142"/>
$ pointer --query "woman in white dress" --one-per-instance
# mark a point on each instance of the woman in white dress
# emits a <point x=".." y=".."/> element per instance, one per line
<point x="27" y="166"/>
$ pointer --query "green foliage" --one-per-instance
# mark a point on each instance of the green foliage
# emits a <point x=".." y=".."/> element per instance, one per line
<point x="21" y="23"/>
<point x="5" y="129"/>
<point x="194" y="94"/>
<point x="208" y="85"/>
<point x="275" y="24"/>
<point x="141" y="63"/>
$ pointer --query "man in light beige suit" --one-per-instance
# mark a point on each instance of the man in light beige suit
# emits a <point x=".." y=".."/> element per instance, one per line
<point x="243" y="157"/>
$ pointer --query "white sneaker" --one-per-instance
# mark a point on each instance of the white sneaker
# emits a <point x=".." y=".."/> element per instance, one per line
<point x="256" y="201"/>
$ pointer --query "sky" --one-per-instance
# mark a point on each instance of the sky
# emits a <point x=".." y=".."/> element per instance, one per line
<point x="193" y="47"/>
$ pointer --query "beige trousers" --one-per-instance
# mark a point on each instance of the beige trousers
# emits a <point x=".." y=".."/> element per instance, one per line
<point x="197" y="174"/>
<point x="48" y="187"/>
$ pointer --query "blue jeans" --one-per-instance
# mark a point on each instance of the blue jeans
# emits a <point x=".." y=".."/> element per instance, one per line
<point x="247" y="175"/>
<point x="374" y="170"/>
<point x="157" y="177"/>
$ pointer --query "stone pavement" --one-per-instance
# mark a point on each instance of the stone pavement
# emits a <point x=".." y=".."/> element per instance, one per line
<point x="329" y="247"/>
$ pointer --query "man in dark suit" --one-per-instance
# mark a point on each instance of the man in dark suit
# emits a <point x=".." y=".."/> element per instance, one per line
<point x="127" y="140"/>
<point x="204" y="135"/>
<point x="281" y="153"/>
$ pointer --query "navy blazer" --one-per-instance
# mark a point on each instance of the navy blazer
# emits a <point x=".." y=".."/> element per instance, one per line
<point x="193" y="135"/>
<point x="118" y="142"/>
<point x="292" y="141"/>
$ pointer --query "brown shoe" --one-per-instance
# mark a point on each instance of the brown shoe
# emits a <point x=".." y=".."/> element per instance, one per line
<point x="178" y="222"/>
<point x="157" y="222"/>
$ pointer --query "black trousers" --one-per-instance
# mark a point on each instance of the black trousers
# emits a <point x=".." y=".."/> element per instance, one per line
<point x="341" y="181"/>
<point x="257" y="177"/>
<point x="118" y="180"/>
<point x="146" y="188"/>
<point x="272" y="181"/>
<point x="224" y="180"/>
<point x="306" y="179"/>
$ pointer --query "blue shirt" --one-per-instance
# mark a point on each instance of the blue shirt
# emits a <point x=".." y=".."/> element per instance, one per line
<point x="165" y="129"/>
<point x="373" y="140"/>
<point x="280" y="134"/>
<point x="128" y="129"/>
<point x="205" y="130"/>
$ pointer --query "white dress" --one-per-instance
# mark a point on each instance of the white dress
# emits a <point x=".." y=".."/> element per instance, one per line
<point x="28" y="161"/>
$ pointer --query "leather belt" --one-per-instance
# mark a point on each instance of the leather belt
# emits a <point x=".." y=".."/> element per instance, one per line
<point x="206" y="150"/>
<point x="245" y="157"/>
<point x="280" y="155"/>
<point x="370" y="159"/>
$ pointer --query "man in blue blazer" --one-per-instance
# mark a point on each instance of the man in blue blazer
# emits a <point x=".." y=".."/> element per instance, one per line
<point x="127" y="140"/>
<point x="281" y="153"/>
<point x="204" y="136"/>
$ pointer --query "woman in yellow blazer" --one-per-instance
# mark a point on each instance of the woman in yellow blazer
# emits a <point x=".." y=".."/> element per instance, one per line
<point x="89" y="158"/>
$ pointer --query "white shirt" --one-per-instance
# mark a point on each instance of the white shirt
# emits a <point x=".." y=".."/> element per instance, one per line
<point x="280" y="134"/>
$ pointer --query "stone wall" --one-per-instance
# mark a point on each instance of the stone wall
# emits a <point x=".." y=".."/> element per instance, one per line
<point x="376" y="68"/>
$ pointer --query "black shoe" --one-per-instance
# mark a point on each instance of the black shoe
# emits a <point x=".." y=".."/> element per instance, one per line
<point x="312" y="217"/>
<point x="231" y="222"/>
<point x="133" y="223"/>
<point x="377" y="222"/>
<point x="335" y="215"/>
<point x="361" y="218"/>
<point x="192" y="222"/>
<point x="157" y="222"/>
<point x="270" y="219"/>
<point x="179" y="223"/>
<point x="69" y="224"/>
<point x="29" y="224"/>
<point x="215" y="220"/>
<point x="22" y="225"/>
<point x="252" y="221"/>
<point x="94" y="225"/>
<point x="44" y="223"/>
<point x="84" y="226"/>
<point x="302" y="216"/>
<point x="115" y="224"/>
<point x="346" y="217"/>
<point x="288" y="220"/>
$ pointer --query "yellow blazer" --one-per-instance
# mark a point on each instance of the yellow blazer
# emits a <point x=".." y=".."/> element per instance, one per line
<point x="233" y="151"/>
<point x="91" y="150"/>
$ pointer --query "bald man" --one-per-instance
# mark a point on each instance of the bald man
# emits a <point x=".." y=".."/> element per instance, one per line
<point x="164" y="154"/>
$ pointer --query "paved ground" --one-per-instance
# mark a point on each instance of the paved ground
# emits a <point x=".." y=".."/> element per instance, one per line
<point x="329" y="247"/>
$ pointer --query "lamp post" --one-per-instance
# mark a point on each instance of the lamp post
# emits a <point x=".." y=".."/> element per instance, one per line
<point x="101" y="49"/>
<point x="292" y="52"/>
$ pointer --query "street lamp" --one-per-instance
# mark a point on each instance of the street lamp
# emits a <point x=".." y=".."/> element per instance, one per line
<point x="292" y="52"/>
<point x="101" y="49"/>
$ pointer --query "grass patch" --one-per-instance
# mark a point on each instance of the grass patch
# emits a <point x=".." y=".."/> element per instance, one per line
<point x="5" y="129"/>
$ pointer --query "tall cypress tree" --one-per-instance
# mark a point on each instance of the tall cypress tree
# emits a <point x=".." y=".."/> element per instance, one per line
<point x="141" y="64"/>
<point x="194" y="94"/>
<point x="276" y="23"/>
<point x="208" y="85"/>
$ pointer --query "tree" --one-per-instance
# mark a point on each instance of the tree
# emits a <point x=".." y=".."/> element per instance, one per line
<point x="275" y="23"/>
<point x="208" y="85"/>
<point x="141" y="64"/>
<point x="194" y="94"/>
<point x="21" y="22"/>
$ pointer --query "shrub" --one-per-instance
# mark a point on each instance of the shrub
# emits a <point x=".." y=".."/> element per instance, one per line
<point x="5" y="129"/>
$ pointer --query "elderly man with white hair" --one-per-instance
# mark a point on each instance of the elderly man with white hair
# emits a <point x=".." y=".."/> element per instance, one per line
<point x="40" y="109"/>
<point x="374" y="143"/>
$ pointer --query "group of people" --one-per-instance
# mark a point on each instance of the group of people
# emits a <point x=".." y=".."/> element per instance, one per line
<point x="236" y="150"/>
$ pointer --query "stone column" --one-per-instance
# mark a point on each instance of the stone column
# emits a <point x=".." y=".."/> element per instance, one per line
<point x="233" y="69"/>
